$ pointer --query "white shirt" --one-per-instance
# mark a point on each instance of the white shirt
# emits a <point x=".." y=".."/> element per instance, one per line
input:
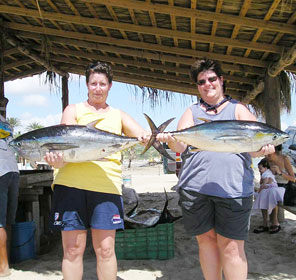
<point x="7" y="157"/>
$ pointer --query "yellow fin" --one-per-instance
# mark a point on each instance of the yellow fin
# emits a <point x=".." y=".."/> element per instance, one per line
<point x="204" y="119"/>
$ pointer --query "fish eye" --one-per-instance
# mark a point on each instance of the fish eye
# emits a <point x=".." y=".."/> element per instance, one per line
<point x="18" y="144"/>
<point x="274" y="137"/>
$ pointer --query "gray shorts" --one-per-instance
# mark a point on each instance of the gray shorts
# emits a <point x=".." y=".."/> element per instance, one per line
<point x="229" y="217"/>
<point x="9" y="185"/>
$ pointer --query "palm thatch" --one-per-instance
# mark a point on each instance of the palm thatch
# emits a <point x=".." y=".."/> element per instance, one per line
<point x="287" y="83"/>
<point x="151" y="43"/>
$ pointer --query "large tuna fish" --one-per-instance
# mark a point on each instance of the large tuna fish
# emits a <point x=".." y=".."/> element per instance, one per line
<point x="77" y="142"/>
<point x="228" y="136"/>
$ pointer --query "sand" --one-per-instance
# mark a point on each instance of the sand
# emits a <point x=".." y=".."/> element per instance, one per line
<point x="269" y="256"/>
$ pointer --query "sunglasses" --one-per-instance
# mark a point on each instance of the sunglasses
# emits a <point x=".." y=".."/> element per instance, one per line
<point x="211" y="80"/>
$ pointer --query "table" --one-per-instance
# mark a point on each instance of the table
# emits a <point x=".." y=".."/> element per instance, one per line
<point x="35" y="200"/>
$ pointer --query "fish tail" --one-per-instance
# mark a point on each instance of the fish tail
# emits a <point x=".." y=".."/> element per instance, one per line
<point x="154" y="131"/>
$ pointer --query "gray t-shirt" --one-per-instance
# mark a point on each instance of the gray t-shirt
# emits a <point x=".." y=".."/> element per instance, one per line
<point x="225" y="175"/>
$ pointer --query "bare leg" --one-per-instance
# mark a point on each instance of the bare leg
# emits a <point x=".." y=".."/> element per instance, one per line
<point x="74" y="243"/>
<point x="103" y="243"/>
<point x="274" y="217"/>
<point x="265" y="217"/>
<point x="233" y="258"/>
<point x="4" y="268"/>
<point x="209" y="257"/>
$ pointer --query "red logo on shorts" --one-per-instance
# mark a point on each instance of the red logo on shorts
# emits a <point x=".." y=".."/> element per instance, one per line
<point x="116" y="219"/>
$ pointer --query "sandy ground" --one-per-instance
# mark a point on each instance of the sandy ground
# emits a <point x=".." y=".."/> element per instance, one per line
<point x="269" y="256"/>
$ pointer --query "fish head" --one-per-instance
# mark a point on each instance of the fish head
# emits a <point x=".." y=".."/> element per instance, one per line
<point x="279" y="138"/>
<point x="272" y="136"/>
<point x="26" y="148"/>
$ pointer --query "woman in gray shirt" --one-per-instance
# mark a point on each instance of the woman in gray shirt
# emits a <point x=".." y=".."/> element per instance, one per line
<point x="216" y="188"/>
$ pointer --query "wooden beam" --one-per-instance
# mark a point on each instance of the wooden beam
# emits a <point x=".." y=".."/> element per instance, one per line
<point x="11" y="51"/>
<point x="152" y="47"/>
<point x="140" y="81"/>
<point x="144" y="29"/>
<point x="3" y="99"/>
<point x="17" y="63"/>
<point x="140" y="48"/>
<point x="35" y="56"/>
<point x="138" y="64"/>
<point x="286" y="59"/>
<point x="24" y="74"/>
<point x="198" y="14"/>
<point x="253" y="93"/>
<point x="140" y="72"/>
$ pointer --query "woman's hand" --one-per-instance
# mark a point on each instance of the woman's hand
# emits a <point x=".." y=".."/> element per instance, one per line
<point x="144" y="138"/>
<point x="165" y="137"/>
<point x="55" y="160"/>
<point x="264" y="151"/>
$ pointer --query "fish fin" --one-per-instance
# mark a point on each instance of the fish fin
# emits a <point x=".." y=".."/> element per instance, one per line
<point x="194" y="150"/>
<point x="160" y="148"/>
<point x="59" y="146"/>
<point x="204" y="119"/>
<point x="92" y="125"/>
<point x="134" y="210"/>
<point x="231" y="137"/>
<point x="164" y="125"/>
<point x="154" y="131"/>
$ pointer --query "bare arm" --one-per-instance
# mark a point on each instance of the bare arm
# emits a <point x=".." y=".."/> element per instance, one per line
<point x="242" y="113"/>
<point x="69" y="117"/>
<point x="185" y="121"/>
<point x="132" y="129"/>
<point x="288" y="173"/>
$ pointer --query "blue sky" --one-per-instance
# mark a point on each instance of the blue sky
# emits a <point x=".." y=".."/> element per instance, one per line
<point x="31" y="100"/>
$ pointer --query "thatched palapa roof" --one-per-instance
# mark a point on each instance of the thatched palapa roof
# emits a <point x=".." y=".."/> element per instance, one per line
<point x="152" y="43"/>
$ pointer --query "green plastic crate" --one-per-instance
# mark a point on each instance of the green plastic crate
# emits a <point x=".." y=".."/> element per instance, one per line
<point x="146" y="243"/>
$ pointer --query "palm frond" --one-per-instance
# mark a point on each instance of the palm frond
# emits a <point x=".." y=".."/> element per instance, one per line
<point x="286" y="86"/>
<point x="158" y="98"/>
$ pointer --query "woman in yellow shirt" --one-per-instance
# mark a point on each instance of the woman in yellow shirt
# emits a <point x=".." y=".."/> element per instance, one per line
<point x="88" y="194"/>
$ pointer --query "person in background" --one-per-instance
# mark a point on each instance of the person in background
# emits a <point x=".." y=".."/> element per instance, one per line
<point x="9" y="185"/>
<point x="268" y="196"/>
<point x="88" y="194"/>
<point x="216" y="189"/>
<point x="267" y="178"/>
<point x="281" y="166"/>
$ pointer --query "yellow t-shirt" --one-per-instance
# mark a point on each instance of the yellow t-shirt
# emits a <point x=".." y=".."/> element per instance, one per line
<point x="98" y="176"/>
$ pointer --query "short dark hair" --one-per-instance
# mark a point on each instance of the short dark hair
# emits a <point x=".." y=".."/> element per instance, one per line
<point x="205" y="64"/>
<point x="99" y="67"/>
<point x="264" y="162"/>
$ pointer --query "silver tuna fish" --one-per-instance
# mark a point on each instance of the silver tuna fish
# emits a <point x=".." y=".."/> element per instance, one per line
<point x="77" y="142"/>
<point x="229" y="136"/>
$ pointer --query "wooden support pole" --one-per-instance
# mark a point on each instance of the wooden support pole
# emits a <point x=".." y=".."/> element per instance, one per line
<point x="3" y="99"/>
<point x="272" y="110"/>
<point x="272" y="101"/>
<point x="65" y="92"/>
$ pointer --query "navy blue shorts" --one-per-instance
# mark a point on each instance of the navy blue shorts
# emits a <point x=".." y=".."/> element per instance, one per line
<point x="9" y="186"/>
<point x="76" y="209"/>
